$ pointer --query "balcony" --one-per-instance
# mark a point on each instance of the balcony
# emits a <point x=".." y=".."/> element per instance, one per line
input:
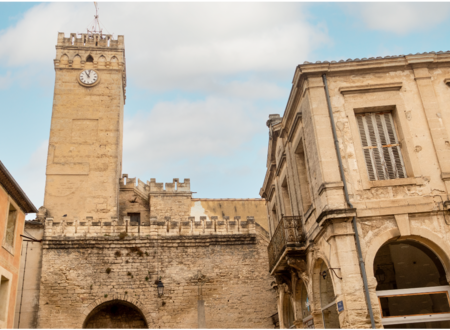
<point x="287" y="240"/>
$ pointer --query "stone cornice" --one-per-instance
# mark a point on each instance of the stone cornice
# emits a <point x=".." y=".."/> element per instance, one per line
<point x="396" y="86"/>
<point x="176" y="241"/>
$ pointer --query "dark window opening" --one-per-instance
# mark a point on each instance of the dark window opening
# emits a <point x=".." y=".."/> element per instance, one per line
<point x="286" y="198"/>
<point x="300" y="159"/>
<point x="135" y="218"/>
<point x="89" y="59"/>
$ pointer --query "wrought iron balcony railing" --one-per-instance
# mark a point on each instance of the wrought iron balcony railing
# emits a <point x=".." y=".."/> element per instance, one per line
<point x="289" y="233"/>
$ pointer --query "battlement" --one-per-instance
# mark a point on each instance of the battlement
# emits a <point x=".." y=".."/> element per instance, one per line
<point x="153" y="228"/>
<point x="171" y="187"/>
<point x="155" y="187"/>
<point x="90" y="40"/>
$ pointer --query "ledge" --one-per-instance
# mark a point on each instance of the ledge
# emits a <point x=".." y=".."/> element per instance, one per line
<point x="394" y="182"/>
<point x="396" y="86"/>
<point x="397" y="209"/>
<point x="334" y="214"/>
<point x="330" y="185"/>
<point x="173" y="241"/>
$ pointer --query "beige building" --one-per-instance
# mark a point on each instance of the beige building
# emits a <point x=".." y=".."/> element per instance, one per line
<point x="357" y="188"/>
<point x="14" y="205"/>
<point x="118" y="252"/>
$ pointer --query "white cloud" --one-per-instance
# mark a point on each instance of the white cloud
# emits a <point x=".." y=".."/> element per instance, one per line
<point x="188" y="132"/>
<point x="401" y="17"/>
<point x="181" y="46"/>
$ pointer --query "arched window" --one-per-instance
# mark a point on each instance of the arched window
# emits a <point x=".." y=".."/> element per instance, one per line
<point x="64" y="60"/>
<point x="89" y="59"/>
<point x="76" y="61"/>
<point x="328" y="306"/>
<point x="412" y="288"/>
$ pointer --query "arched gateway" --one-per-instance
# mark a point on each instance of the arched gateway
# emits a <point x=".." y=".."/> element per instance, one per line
<point x="115" y="314"/>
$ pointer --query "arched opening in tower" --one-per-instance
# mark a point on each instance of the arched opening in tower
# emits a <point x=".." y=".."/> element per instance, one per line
<point x="116" y="314"/>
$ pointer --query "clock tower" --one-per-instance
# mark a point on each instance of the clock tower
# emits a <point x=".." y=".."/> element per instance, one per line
<point x="84" y="160"/>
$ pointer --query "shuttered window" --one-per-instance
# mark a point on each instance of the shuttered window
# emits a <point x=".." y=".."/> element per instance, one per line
<point x="380" y="146"/>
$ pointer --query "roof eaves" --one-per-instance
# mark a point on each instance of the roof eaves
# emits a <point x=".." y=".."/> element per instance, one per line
<point x="371" y="58"/>
<point x="13" y="188"/>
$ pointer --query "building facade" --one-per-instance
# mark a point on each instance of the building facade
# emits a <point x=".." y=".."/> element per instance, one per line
<point x="357" y="188"/>
<point x="14" y="205"/>
<point x="120" y="253"/>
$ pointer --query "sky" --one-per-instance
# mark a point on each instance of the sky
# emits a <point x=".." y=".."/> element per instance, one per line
<point x="202" y="78"/>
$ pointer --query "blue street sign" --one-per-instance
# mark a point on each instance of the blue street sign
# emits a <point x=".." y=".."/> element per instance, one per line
<point x="340" y="305"/>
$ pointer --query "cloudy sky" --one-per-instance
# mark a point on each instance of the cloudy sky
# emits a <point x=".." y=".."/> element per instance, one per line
<point x="202" y="78"/>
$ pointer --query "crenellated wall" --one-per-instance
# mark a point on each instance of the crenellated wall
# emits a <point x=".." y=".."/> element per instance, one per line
<point x="152" y="228"/>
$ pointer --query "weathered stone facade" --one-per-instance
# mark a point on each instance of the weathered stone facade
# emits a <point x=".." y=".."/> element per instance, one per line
<point x="236" y="287"/>
<point x="392" y="122"/>
<point x="110" y="240"/>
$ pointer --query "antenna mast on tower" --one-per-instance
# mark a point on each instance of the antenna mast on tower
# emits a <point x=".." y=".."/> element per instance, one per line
<point x="95" y="27"/>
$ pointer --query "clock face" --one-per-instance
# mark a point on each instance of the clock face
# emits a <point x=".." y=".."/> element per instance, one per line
<point x="88" y="77"/>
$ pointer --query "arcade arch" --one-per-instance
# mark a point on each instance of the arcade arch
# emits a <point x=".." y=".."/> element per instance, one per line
<point x="115" y="314"/>
<point x="302" y="304"/>
<point x="412" y="287"/>
<point x="326" y="296"/>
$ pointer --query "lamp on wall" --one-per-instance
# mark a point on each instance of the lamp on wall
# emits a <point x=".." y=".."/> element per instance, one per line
<point x="160" y="288"/>
<point x="380" y="275"/>
<point x="324" y="274"/>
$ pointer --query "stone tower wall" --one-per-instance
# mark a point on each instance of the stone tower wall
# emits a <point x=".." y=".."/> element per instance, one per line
<point x="85" y="148"/>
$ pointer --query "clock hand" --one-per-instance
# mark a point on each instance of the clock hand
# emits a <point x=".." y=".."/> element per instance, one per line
<point x="87" y="73"/>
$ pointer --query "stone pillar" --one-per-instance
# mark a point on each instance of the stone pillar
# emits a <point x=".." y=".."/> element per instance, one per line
<point x="349" y="289"/>
<point x="434" y="116"/>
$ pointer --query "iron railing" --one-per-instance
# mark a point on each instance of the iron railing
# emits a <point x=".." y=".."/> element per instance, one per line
<point x="289" y="233"/>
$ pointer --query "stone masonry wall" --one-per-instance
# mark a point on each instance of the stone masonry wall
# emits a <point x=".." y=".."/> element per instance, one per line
<point x="234" y="270"/>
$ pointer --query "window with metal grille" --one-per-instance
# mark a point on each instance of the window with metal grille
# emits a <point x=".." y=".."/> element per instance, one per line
<point x="380" y="146"/>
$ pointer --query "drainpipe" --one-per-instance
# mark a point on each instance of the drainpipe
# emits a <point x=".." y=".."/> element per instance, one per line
<point x="347" y="199"/>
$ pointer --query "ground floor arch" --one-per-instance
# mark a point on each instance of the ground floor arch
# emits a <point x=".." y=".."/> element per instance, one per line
<point x="412" y="287"/>
<point x="115" y="314"/>
<point x="325" y="296"/>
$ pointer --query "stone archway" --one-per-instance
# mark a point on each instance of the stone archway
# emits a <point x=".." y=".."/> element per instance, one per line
<point x="115" y="314"/>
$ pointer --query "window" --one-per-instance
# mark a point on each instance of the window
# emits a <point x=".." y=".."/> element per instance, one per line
<point x="4" y="286"/>
<point x="135" y="218"/>
<point x="286" y="199"/>
<point x="412" y="286"/>
<point x="380" y="145"/>
<point x="8" y="241"/>
<point x="300" y="160"/>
